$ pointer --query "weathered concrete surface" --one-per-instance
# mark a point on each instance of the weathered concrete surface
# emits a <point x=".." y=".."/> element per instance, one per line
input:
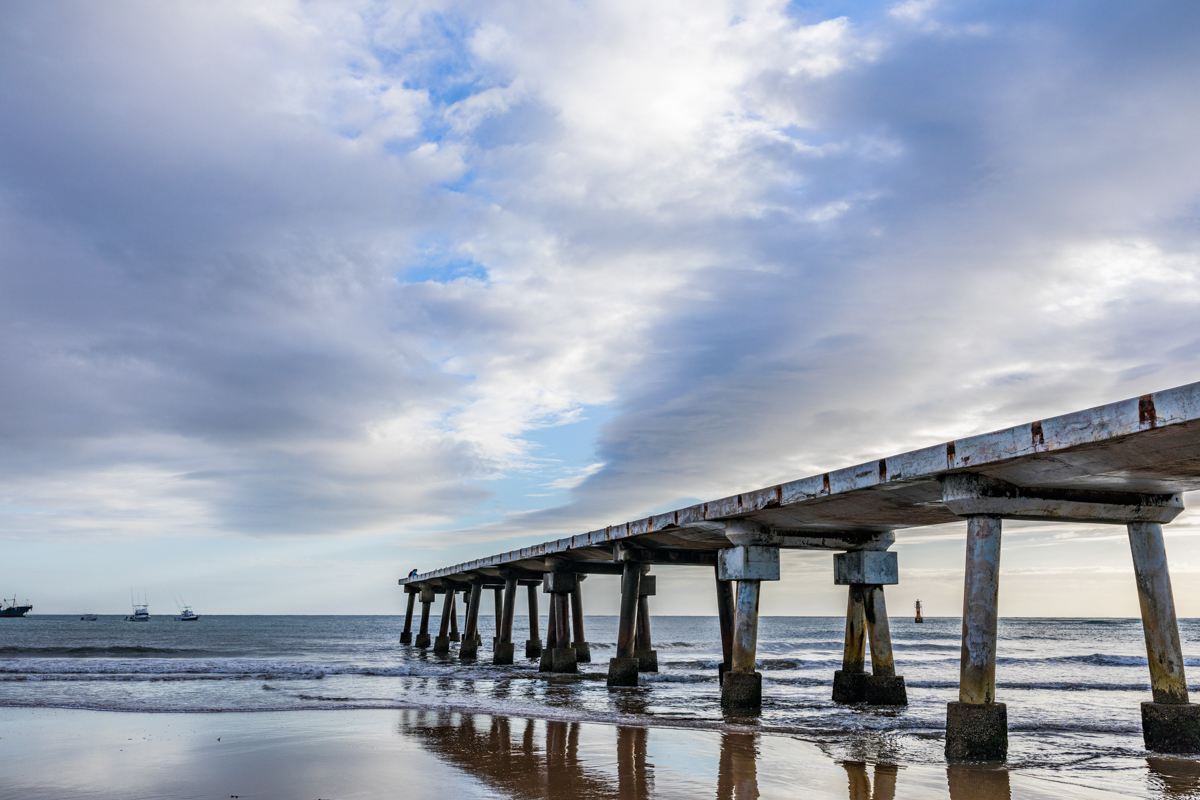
<point x="849" y="686"/>
<point x="976" y="731"/>
<point x="1159" y="625"/>
<point x="562" y="659"/>
<point x="1171" y="727"/>
<point x="878" y="567"/>
<point x="583" y="651"/>
<point x="741" y="690"/>
<point x="533" y="648"/>
<point x="885" y="690"/>
<point x="503" y="654"/>
<point x="977" y="667"/>
<point x="883" y="663"/>
<point x="1148" y="445"/>
<point x="622" y="672"/>
<point x="749" y="563"/>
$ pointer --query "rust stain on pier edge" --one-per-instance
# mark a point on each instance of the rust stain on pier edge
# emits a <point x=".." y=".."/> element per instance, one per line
<point x="882" y="470"/>
<point x="1035" y="433"/>
<point x="825" y="483"/>
<point x="1147" y="415"/>
<point x="949" y="454"/>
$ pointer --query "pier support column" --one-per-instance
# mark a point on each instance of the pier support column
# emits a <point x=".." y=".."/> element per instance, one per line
<point x="441" y="644"/>
<point x="503" y="653"/>
<point x="977" y="726"/>
<point x="547" y="663"/>
<point x="883" y="687"/>
<point x="469" y="649"/>
<point x="406" y="634"/>
<point x="533" y="645"/>
<point x="426" y="602"/>
<point x="1170" y="724"/>
<point x="643" y="649"/>
<point x="583" y="651"/>
<point x="742" y="687"/>
<point x="498" y="603"/>
<point x="725" y="615"/>
<point x="749" y="565"/>
<point x="560" y="585"/>
<point x="866" y="572"/>
<point x="454" y="635"/>
<point x="623" y="670"/>
<point x="850" y="682"/>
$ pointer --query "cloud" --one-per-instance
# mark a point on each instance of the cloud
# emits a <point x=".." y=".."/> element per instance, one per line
<point x="318" y="269"/>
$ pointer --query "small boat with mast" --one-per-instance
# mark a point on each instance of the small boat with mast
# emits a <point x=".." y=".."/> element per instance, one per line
<point x="185" y="611"/>
<point x="141" y="611"/>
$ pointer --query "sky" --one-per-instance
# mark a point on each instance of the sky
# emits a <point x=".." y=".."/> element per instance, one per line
<point x="298" y="296"/>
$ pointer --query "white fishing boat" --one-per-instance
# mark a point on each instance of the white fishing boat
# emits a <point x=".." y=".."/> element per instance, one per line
<point x="186" y="615"/>
<point x="89" y="618"/>
<point x="141" y="611"/>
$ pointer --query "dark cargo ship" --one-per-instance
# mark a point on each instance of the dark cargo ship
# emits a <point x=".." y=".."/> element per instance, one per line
<point x="14" y="610"/>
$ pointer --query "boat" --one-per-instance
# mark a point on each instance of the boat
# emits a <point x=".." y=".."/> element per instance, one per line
<point x="141" y="613"/>
<point x="14" y="610"/>
<point x="89" y="618"/>
<point x="186" y="615"/>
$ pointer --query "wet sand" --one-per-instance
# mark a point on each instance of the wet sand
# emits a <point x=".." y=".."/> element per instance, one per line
<point x="51" y="753"/>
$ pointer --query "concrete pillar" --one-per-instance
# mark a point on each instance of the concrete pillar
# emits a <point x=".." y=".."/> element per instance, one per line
<point x="454" y="635"/>
<point x="406" y="634"/>
<point x="426" y="601"/>
<point x="503" y="652"/>
<point x="725" y="615"/>
<point x="623" y="670"/>
<point x="977" y="726"/>
<point x="498" y="605"/>
<point x="533" y="645"/>
<point x="742" y="687"/>
<point x="883" y="686"/>
<point x="583" y="652"/>
<point x="849" y="682"/>
<point x="1170" y="724"/>
<point x="562" y="655"/>
<point x="470" y="643"/>
<point x="643" y="649"/>
<point x="546" y="663"/>
<point x="441" y="644"/>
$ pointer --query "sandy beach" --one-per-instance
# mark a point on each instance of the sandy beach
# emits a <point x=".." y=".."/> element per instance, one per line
<point x="58" y="753"/>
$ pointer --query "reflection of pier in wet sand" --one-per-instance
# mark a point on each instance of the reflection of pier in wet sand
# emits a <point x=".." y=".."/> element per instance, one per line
<point x="527" y="758"/>
<point x="1124" y="464"/>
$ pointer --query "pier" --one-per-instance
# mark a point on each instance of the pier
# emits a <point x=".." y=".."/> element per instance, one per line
<point x="1125" y="463"/>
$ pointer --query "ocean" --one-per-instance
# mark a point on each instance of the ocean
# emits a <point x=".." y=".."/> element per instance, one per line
<point x="1072" y="686"/>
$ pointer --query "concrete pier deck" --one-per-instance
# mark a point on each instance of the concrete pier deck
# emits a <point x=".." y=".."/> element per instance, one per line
<point x="1145" y="445"/>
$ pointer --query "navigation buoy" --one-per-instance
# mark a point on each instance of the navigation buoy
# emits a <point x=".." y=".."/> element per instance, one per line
<point x="919" y="619"/>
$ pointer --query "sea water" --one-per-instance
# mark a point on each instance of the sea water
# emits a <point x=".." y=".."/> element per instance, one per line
<point x="1072" y="686"/>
